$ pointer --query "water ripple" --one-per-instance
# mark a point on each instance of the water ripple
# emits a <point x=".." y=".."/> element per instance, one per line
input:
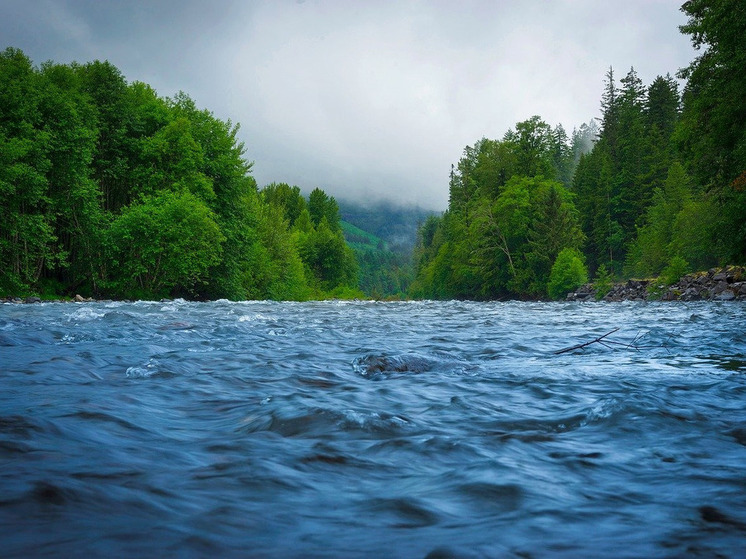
<point x="358" y="429"/>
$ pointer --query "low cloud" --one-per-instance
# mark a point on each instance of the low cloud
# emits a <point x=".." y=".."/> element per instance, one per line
<point x="366" y="100"/>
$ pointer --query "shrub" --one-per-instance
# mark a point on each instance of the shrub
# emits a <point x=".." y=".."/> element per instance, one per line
<point x="603" y="282"/>
<point x="568" y="273"/>
<point x="676" y="268"/>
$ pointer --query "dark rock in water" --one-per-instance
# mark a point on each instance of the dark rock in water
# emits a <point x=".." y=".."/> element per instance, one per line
<point x="372" y="365"/>
<point x="30" y="300"/>
<point x="448" y="553"/>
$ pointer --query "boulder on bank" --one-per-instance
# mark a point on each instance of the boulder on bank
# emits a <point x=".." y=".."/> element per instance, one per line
<point x="717" y="284"/>
<point x="631" y="290"/>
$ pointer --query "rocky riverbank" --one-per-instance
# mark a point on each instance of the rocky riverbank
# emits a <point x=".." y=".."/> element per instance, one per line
<point x="32" y="299"/>
<point x="717" y="284"/>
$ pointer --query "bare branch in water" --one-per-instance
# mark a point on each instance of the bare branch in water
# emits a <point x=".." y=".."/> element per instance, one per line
<point x="598" y="340"/>
<point x="601" y="340"/>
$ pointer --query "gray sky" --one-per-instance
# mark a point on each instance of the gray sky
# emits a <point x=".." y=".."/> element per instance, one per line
<point x="368" y="100"/>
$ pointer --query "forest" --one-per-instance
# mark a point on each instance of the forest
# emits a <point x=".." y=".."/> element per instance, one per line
<point x="656" y="188"/>
<point x="110" y="190"/>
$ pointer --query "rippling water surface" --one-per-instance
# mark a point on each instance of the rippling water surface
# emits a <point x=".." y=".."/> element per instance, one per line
<point x="368" y="429"/>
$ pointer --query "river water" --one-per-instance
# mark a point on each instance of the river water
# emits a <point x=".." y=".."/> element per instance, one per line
<point x="364" y="429"/>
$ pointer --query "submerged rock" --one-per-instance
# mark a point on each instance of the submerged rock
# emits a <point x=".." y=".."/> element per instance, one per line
<point x="372" y="365"/>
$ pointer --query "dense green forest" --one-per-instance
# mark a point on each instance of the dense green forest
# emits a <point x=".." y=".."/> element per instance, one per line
<point x="113" y="191"/>
<point x="661" y="192"/>
<point x="110" y="190"/>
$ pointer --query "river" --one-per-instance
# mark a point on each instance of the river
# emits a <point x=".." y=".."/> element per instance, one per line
<point x="365" y="429"/>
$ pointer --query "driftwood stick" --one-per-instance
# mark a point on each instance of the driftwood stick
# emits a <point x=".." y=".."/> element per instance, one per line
<point x="599" y="340"/>
<point x="610" y="344"/>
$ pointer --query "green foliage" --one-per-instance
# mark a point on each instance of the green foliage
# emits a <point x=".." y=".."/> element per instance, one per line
<point x="615" y="183"/>
<point x="272" y="267"/>
<point x="382" y="272"/>
<point x="326" y="254"/>
<point x="567" y="274"/>
<point x="345" y="292"/>
<point x="287" y="197"/>
<point x="674" y="271"/>
<point x="502" y="242"/>
<point x="393" y="224"/>
<point x="163" y="245"/>
<point x="323" y="207"/>
<point x="359" y="239"/>
<point x="661" y="185"/>
<point x="712" y="136"/>
<point x="603" y="283"/>
<point x="657" y="241"/>
<point x="109" y="189"/>
<point x="26" y="234"/>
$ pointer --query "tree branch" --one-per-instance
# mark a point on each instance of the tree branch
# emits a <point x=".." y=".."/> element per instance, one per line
<point x="601" y="340"/>
<point x="586" y="344"/>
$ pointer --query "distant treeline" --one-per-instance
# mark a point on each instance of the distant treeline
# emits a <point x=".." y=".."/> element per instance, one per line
<point x="661" y="192"/>
<point x="382" y="236"/>
<point x="110" y="190"/>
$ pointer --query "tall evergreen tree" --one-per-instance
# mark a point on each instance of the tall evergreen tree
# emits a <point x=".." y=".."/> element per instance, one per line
<point x="712" y="136"/>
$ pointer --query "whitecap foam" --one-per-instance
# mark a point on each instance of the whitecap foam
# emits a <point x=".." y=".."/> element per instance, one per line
<point x="85" y="313"/>
<point x="142" y="371"/>
<point x="258" y="317"/>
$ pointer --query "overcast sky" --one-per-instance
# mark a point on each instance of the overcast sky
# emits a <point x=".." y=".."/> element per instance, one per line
<point x="368" y="100"/>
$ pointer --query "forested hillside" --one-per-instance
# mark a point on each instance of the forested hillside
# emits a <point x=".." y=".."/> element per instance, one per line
<point x="383" y="235"/>
<point x="383" y="273"/>
<point x="397" y="225"/>
<point x="662" y="191"/>
<point x="110" y="190"/>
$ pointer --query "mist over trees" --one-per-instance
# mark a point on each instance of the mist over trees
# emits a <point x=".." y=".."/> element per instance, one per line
<point x="659" y="184"/>
<point x="110" y="190"/>
<point x="382" y="236"/>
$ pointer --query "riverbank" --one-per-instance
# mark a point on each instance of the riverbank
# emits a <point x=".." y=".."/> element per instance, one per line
<point x="716" y="284"/>
<point x="33" y="299"/>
